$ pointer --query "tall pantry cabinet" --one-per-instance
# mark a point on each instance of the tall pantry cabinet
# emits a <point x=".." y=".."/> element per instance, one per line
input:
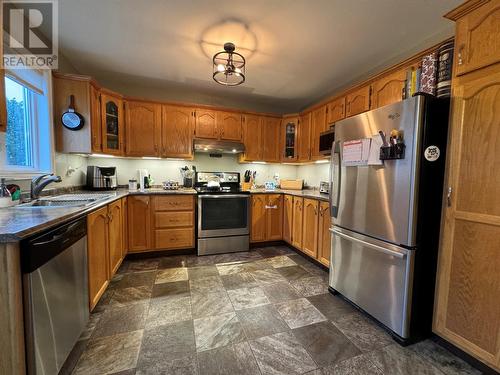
<point x="467" y="311"/>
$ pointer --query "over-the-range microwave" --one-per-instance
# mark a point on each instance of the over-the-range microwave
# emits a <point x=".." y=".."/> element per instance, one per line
<point x="326" y="140"/>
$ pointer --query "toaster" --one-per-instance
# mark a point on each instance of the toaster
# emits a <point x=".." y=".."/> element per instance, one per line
<point x="101" y="178"/>
<point x="324" y="187"/>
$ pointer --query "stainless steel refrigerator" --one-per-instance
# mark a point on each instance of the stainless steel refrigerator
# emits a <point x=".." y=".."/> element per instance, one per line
<point x="386" y="218"/>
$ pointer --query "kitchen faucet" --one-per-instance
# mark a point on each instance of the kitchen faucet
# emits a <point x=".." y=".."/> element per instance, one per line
<point x="39" y="183"/>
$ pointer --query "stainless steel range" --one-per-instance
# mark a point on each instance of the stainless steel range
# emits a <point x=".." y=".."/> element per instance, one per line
<point x="223" y="213"/>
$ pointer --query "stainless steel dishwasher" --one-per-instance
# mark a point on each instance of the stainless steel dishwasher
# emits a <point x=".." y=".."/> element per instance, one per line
<point x="56" y="302"/>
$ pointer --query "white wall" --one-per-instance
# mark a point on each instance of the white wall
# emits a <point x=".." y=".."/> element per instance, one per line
<point x="313" y="174"/>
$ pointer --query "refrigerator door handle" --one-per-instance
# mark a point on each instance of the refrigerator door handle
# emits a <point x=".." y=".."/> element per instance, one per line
<point x="335" y="163"/>
<point x="368" y="244"/>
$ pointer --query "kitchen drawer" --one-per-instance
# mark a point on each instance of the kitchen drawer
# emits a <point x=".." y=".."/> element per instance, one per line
<point x="173" y="203"/>
<point x="181" y="238"/>
<point x="174" y="219"/>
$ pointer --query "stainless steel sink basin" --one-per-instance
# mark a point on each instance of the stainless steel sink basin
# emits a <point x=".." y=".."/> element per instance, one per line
<point x="67" y="200"/>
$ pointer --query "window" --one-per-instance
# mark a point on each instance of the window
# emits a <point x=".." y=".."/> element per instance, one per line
<point x="28" y="139"/>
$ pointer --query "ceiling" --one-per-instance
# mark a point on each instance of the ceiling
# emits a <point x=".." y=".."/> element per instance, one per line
<point x="297" y="50"/>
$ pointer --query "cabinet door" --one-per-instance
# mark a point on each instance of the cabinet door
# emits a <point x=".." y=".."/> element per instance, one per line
<point x="298" y="204"/>
<point x="206" y="124"/>
<point x="97" y="250"/>
<point x="318" y="125"/>
<point x="115" y="215"/>
<point x="252" y="137"/>
<point x="177" y="131"/>
<point x="271" y="141"/>
<point x="467" y="312"/>
<point x="274" y="217"/>
<point x="324" y="233"/>
<point x="229" y="124"/>
<point x="304" y="138"/>
<point x="258" y="230"/>
<point x="310" y="228"/>
<point x="112" y="124"/>
<point x="139" y="223"/>
<point x="143" y="129"/>
<point x="289" y="136"/>
<point x="477" y="39"/>
<point x="125" y="226"/>
<point x="95" y="119"/>
<point x="388" y="89"/>
<point x="287" y="218"/>
<point x="336" y="110"/>
<point x="358" y="101"/>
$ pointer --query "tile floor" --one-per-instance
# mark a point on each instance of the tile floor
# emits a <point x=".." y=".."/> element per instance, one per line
<point x="267" y="311"/>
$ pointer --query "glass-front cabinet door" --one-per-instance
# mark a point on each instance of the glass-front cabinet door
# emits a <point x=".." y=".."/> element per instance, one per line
<point x="289" y="134"/>
<point x="112" y="124"/>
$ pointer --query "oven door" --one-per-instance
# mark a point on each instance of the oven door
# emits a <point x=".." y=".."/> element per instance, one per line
<point x="223" y="215"/>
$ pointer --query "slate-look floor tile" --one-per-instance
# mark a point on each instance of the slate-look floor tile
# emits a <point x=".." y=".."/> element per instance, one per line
<point x="134" y="294"/>
<point x="136" y="279"/>
<point x="325" y="343"/>
<point x="238" y="280"/>
<point x="111" y="354"/>
<point x="169" y="275"/>
<point x="180" y="366"/>
<point x="168" y="310"/>
<point x="206" y="284"/>
<point x="293" y="273"/>
<point x="174" y="289"/>
<point x="299" y="312"/>
<point x="143" y="265"/>
<point x="269" y="276"/>
<point x="229" y="360"/>
<point x="246" y="298"/>
<point x="281" y="261"/>
<point x="207" y="304"/>
<point x="310" y="286"/>
<point x="217" y="331"/>
<point x="359" y="365"/>
<point x="202" y="271"/>
<point x="261" y="321"/>
<point x="92" y="323"/>
<point x="281" y="354"/>
<point x="231" y="268"/>
<point x="176" y="261"/>
<point x="333" y="307"/>
<point x="121" y="319"/>
<point x="279" y="292"/>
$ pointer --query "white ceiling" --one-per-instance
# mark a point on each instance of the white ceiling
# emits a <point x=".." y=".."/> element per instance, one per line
<point x="297" y="50"/>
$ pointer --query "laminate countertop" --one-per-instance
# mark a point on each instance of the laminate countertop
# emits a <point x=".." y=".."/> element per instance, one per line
<point x="307" y="193"/>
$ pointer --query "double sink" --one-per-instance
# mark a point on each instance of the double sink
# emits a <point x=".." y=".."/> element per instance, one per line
<point x="66" y="200"/>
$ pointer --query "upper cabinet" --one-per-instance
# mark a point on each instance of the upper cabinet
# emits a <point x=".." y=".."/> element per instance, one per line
<point x="289" y="136"/>
<point x="143" y="128"/>
<point x="336" y="110"/>
<point x="252" y="138"/>
<point x="95" y="119"/>
<point x="318" y="125"/>
<point x="206" y="124"/>
<point x="177" y="131"/>
<point x="388" y="89"/>
<point x="304" y="138"/>
<point x="358" y="101"/>
<point x="477" y="39"/>
<point x="229" y="126"/>
<point x="271" y="139"/>
<point x="112" y="124"/>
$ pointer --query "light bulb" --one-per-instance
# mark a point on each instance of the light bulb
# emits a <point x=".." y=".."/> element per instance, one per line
<point x="221" y="67"/>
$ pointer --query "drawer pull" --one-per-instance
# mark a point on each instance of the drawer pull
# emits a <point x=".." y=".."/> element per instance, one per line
<point x="272" y="207"/>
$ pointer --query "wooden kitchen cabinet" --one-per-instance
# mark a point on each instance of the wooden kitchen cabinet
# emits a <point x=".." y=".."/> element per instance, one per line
<point x="290" y="138"/>
<point x="139" y="223"/>
<point x="95" y="119"/>
<point x="318" y="125"/>
<point x="310" y="227"/>
<point x="358" y="101"/>
<point x="115" y="227"/>
<point x="477" y="38"/>
<point x="112" y="123"/>
<point x="98" y="250"/>
<point x="297" y="221"/>
<point x="267" y="217"/>
<point x="206" y="124"/>
<point x="324" y="238"/>
<point x="389" y="88"/>
<point x="287" y="218"/>
<point x="258" y="218"/>
<point x="252" y="138"/>
<point x="336" y="110"/>
<point x="143" y="128"/>
<point x="304" y="138"/>
<point x="125" y="226"/>
<point x="271" y="127"/>
<point x="229" y="126"/>
<point x="177" y="131"/>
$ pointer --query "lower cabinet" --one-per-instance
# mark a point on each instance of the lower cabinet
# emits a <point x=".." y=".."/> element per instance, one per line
<point x="139" y="223"/>
<point x="267" y="217"/>
<point x="297" y="220"/>
<point x="115" y="227"/>
<point x="287" y="218"/>
<point x="310" y="227"/>
<point x="324" y="240"/>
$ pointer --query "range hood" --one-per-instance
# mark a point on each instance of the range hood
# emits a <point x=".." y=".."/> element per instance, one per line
<point x="218" y="147"/>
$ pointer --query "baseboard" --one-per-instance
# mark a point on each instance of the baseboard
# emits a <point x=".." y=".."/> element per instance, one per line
<point x="159" y="253"/>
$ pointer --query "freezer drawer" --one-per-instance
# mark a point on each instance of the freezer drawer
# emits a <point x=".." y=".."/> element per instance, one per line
<point x="375" y="275"/>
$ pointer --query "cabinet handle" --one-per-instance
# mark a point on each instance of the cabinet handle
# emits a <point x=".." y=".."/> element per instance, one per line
<point x="448" y="196"/>
<point x="460" y="56"/>
<point x="271" y="207"/>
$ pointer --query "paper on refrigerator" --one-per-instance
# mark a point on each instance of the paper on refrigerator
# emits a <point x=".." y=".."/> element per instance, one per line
<point x="355" y="152"/>
<point x="374" y="156"/>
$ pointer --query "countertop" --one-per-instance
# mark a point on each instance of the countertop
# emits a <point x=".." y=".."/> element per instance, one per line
<point x="17" y="224"/>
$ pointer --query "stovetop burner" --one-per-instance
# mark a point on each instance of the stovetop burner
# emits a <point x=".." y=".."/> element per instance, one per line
<point x="227" y="183"/>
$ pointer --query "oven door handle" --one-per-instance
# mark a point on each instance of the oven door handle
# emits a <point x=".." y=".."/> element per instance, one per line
<point x="214" y="196"/>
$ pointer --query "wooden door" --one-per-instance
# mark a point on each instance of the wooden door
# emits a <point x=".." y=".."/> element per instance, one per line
<point x="142" y="129"/>
<point x="336" y="110"/>
<point x="358" y="101"/>
<point x="318" y="125"/>
<point x="388" y="89"/>
<point x="298" y="204"/>
<point x="467" y="312"/>
<point x="125" y="226"/>
<point x="95" y="119"/>
<point x="289" y="139"/>
<point x="115" y="225"/>
<point x="287" y="218"/>
<point x="258" y="230"/>
<point x="310" y="228"/>
<point x="274" y="217"/>
<point x="271" y="139"/>
<point x="112" y="124"/>
<point x="206" y="124"/>
<point x="304" y="138"/>
<point x="139" y="223"/>
<point x="477" y="39"/>
<point x="230" y="127"/>
<point x="97" y="250"/>
<point x="177" y="131"/>
<point x="252" y="137"/>
<point x="324" y="238"/>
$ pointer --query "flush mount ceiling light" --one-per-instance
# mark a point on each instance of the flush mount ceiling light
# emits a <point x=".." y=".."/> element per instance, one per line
<point x="229" y="66"/>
